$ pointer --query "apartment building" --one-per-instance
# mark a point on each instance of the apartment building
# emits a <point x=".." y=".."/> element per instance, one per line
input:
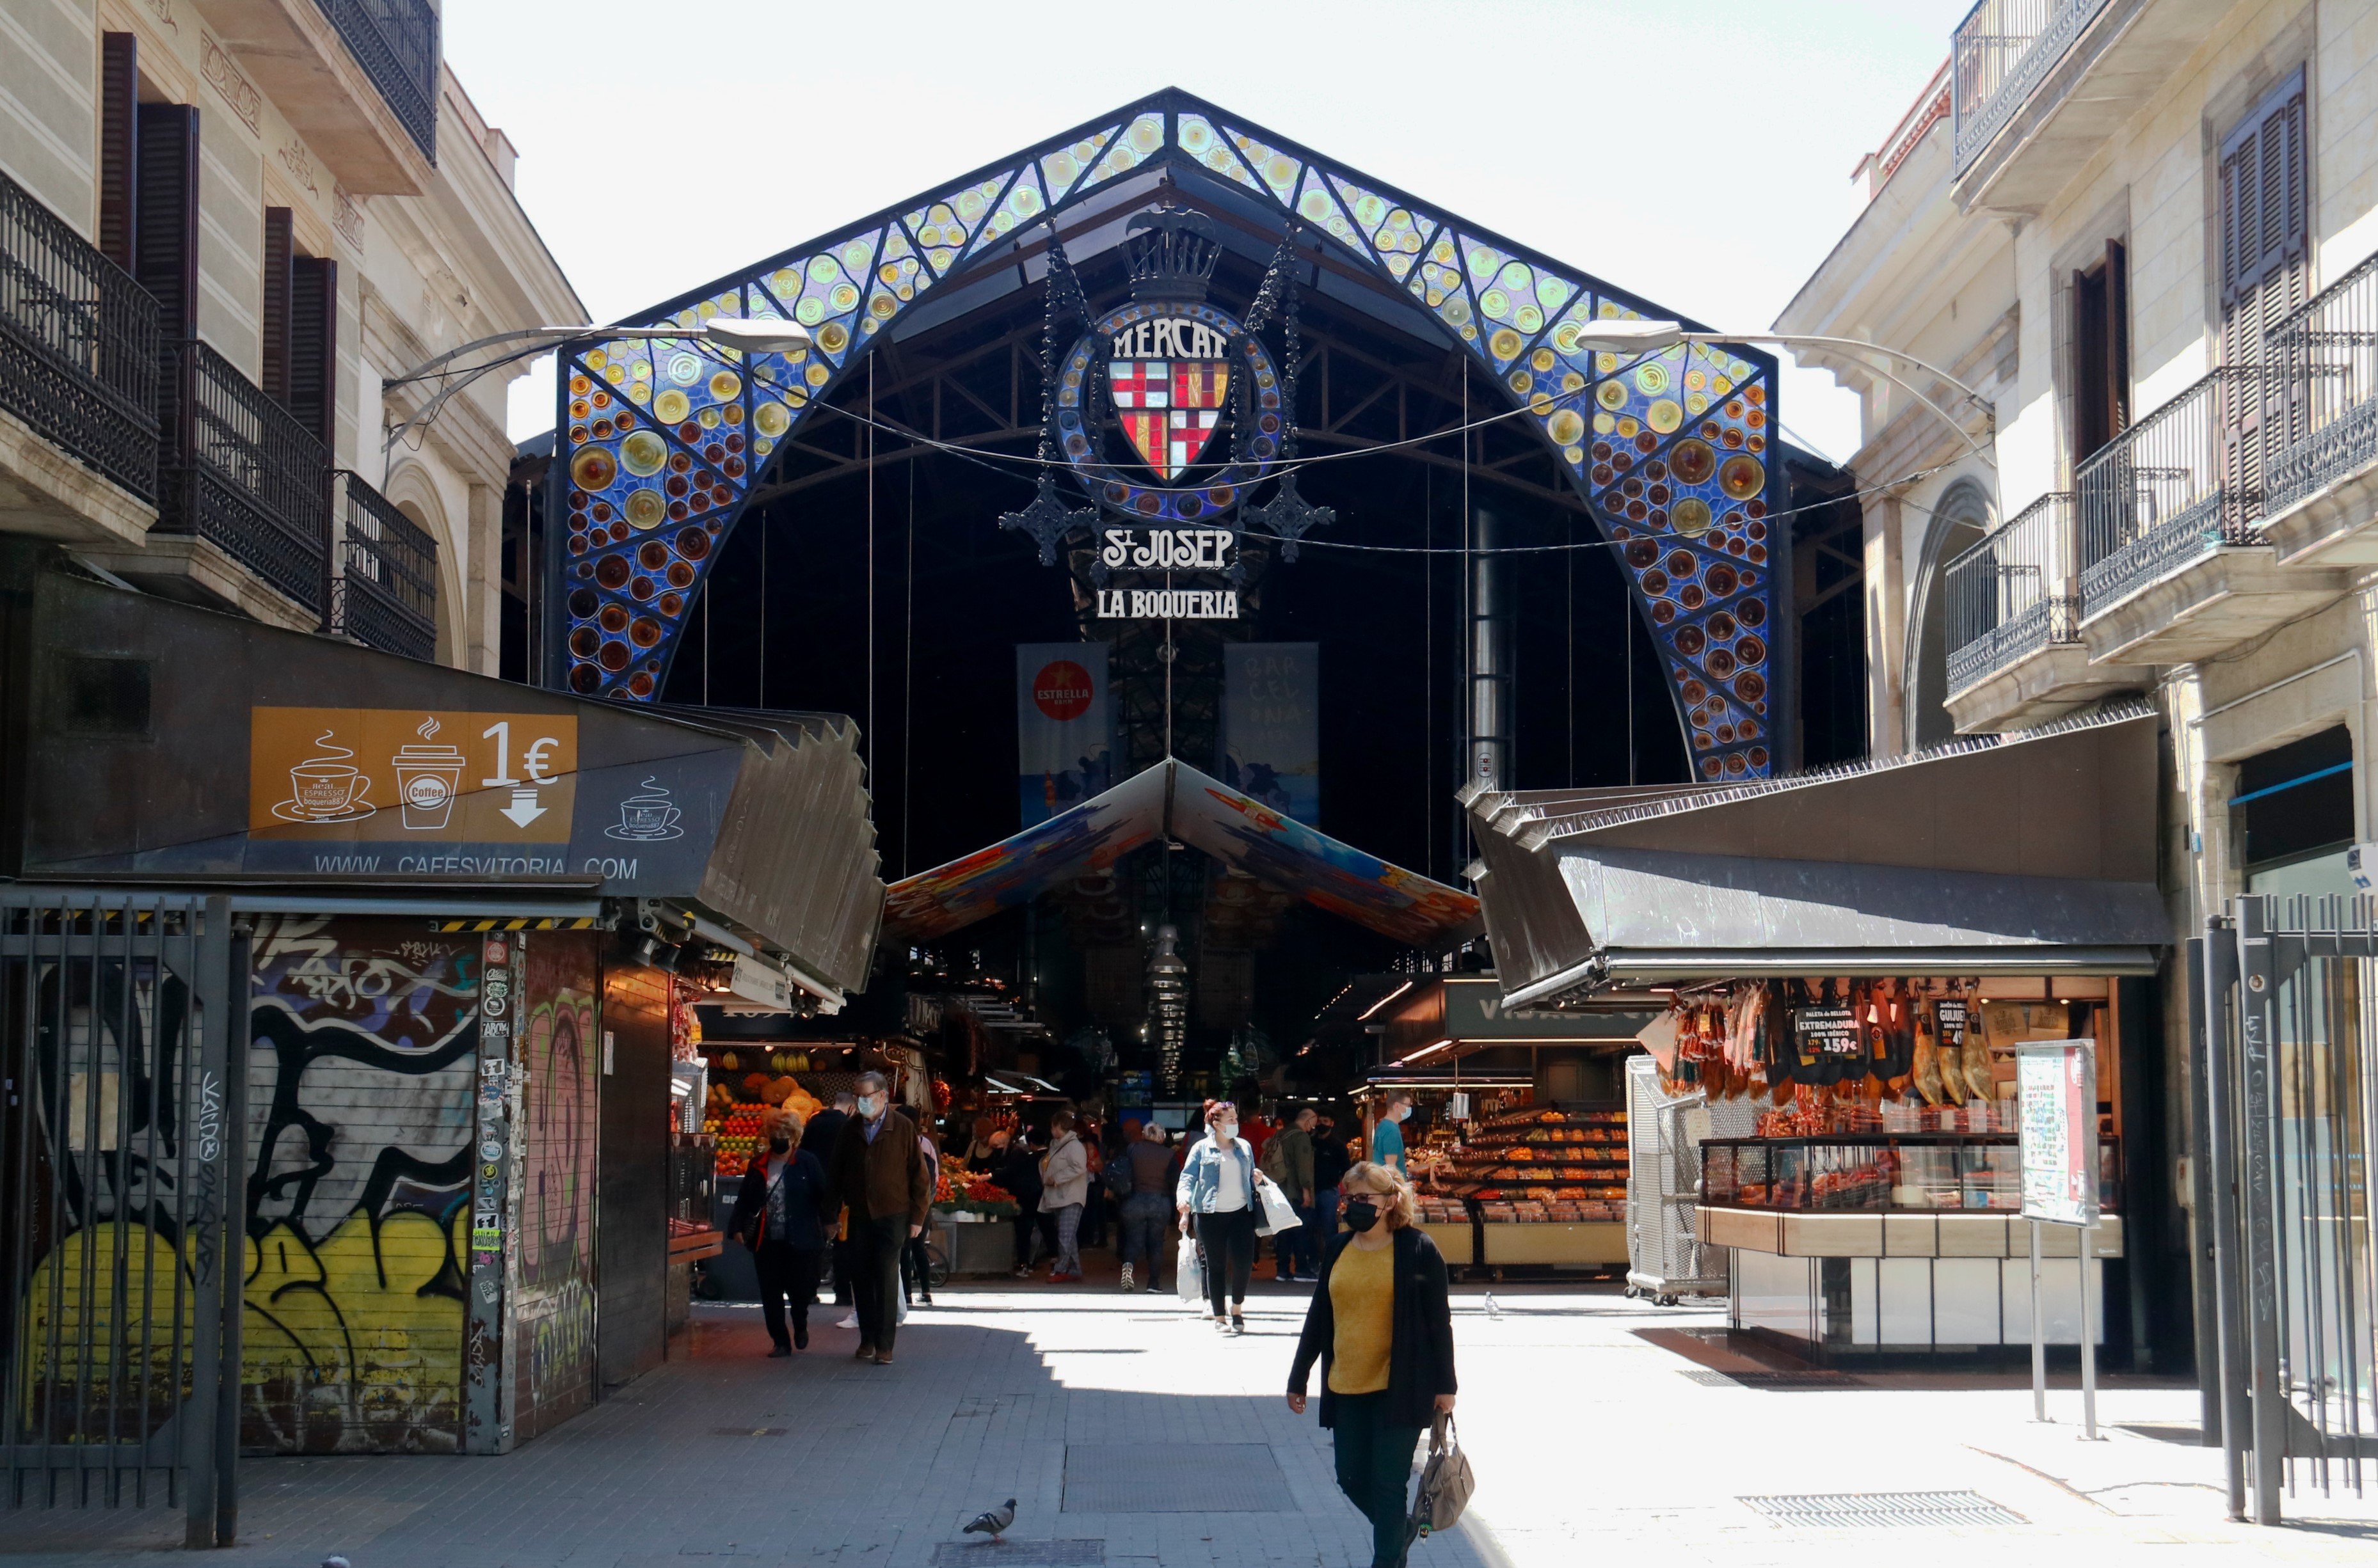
<point x="224" y="225"/>
<point x="2144" y="231"/>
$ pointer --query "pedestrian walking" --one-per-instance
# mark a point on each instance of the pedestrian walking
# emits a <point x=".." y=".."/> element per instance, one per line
<point x="1381" y="1325"/>
<point x="1146" y="1208"/>
<point x="822" y="1137"/>
<point x="1298" y="1250"/>
<point x="916" y="1267"/>
<point x="1218" y="1185"/>
<point x="780" y="1215"/>
<point x="1330" y="1166"/>
<point x="879" y="1174"/>
<point x="1018" y="1173"/>
<point x="1387" y="1137"/>
<point x="1064" y="1187"/>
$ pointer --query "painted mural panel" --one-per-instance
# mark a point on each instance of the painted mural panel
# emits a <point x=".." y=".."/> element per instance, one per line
<point x="562" y="1052"/>
<point x="360" y="1120"/>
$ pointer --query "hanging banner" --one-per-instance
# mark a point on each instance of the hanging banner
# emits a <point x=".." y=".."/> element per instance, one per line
<point x="1271" y="726"/>
<point x="1064" y="727"/>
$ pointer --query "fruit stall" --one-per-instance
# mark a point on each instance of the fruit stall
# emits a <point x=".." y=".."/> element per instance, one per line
<point x="971" y="1216"/>
<point x="1543" y="1186"/>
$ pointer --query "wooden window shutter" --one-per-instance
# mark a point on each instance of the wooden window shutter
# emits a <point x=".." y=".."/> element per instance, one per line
<point x="314" y="346"/>
<point x="279" y="250"/>
<point x="2118" y="338"/>
<point x="119" y="102"/>
<point x="166" y="221"/>
<point x="2263" y="221"/>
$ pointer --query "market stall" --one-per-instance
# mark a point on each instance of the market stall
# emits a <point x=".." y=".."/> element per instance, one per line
<point x="1866" y="949"/>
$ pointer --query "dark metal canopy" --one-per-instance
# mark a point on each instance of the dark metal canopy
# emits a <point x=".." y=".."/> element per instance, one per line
<point x="2021" y="854"/>
<point x="182" y="747"/>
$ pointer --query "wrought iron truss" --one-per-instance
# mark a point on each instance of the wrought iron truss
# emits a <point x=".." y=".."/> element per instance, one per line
<point x="666" y="444"/>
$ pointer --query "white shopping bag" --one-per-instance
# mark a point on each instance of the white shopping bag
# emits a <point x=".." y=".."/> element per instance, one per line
<point x="1190" y="1279"/>
<point x="1279" y="1214"/>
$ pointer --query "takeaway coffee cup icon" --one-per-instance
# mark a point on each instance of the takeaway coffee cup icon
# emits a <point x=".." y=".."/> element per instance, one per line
<point x="427" y="779"/>
<point x="647" y="816"/>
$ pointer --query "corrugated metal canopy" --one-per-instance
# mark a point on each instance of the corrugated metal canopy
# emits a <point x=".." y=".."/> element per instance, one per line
<point x="2031" y="852"/>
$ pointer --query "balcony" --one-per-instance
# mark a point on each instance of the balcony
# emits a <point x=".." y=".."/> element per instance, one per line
<point x="243" y="479"/>
<point x="2173" y="564"/>
<point x="2000" y="54"/>
<point x="357" y="79"/>
<point x="385" y="594"/>
<point x="396" y="43"/>
<point x="78" y="383"/>
<point x="2320" y="417"/>
<point x="2041" y="85"/>
<point x="2015" y="654"/>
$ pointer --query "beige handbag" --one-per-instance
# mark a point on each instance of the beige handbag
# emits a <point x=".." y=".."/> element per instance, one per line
<point x="1445" y="1481"/>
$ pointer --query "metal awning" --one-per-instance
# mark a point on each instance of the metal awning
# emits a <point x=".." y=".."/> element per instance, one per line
<point x="308" y="775"/>
<point x="2028" y="854"/>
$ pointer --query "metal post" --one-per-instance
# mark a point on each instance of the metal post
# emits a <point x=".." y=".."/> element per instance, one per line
<point x="2038" y="1335"/>
<point x="2206" y="1312"/>
<point x="204" y="1165"/>
<point x="2262" y="1245"/>
<point x="2220" y="1154"/>
<point x="237" y="989"/>
<point x="2088" y="1344"/>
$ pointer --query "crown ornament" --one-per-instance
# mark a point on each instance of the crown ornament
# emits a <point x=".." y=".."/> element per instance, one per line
<point x="1173" y="254"/>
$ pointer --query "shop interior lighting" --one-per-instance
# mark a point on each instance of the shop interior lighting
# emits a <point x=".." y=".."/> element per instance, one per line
<point x="1384" y="1000"/>
<point x="1425" y="1050"/>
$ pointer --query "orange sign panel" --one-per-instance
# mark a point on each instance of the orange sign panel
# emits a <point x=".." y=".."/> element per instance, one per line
<point x="400" y="774"/>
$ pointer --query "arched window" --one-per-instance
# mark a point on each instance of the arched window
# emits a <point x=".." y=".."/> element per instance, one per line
<point x="1958" y="524"/>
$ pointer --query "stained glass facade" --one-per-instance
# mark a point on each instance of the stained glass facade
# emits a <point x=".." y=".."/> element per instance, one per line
<point x="663" y="439"/>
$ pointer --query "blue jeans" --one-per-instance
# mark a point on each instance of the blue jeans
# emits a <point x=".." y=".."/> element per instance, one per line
<point x="1147" y="1225"/>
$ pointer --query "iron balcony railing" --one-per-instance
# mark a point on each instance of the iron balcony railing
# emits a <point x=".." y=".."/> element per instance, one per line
<point x="396" y="43"/>
<point x="2320" y="395"/>
<point x="240" y="471"/>
<point x="2174" y="485"/>
<point x="2014" y="593"/>
<point x="2000" y="53"/>
<point x="385" y="594"/>
<point x="78" y="344"/>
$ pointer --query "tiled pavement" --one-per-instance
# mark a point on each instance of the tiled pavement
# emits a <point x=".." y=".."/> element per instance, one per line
<point x="1591" y="1439"/>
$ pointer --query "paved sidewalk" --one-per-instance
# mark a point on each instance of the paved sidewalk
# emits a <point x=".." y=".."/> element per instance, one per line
<point x="1598" y="1425"/>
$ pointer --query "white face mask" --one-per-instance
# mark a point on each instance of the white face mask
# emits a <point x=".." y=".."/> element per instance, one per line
<point x="1226" y="1131"/>
<point x="870" y="1106"/>
<point x="1400" y="1113"/>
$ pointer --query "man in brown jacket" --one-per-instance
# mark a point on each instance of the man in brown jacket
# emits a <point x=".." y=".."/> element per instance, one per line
<point x="879" y="1172"/>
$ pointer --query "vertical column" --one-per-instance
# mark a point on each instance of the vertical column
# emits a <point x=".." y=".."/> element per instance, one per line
<point x="486" y="1349"/>
<point x="2258" y="1180"/>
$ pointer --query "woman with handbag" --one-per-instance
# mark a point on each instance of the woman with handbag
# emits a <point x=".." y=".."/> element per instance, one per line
<point x="1381" y="1325"/>
<point x="1218" y="1185"/>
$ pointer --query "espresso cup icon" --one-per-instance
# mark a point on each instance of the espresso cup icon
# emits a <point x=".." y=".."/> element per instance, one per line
<point x="427" y="779"/>
<point x="646" y="817"/>
<point x="325" y="791"/>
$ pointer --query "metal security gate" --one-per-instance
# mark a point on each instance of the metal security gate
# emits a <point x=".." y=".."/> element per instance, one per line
<point x="2287" y="1074"/>
<point x="122" y="1250"/>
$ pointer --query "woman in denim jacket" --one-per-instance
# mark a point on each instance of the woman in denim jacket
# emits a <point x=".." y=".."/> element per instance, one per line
<point x="1217" y="1185"/>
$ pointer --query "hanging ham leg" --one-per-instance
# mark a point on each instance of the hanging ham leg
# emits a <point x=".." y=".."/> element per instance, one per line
<point x="1928" y="1058"/>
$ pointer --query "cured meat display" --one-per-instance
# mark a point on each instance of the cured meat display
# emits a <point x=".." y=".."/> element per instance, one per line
<point x="1543" y="1164"/>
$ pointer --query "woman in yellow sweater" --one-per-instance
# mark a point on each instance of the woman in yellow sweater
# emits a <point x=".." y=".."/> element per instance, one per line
<point x="1381" y="1325"/>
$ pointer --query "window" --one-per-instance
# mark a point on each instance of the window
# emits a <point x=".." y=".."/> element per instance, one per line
<point x="2265" y="263"/>
<point x="1958" y="525"/>
<point x="301" y="328"/>
<point x="2101" y="352"/>
<point x="2294" y="805"/>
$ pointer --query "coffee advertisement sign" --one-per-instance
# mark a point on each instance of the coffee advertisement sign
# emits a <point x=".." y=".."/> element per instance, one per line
<point x="400" y="775"/>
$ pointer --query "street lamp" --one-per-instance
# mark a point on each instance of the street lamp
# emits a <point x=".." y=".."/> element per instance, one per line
<point x="1612" y="335"/>
<point x="741" y="334"/>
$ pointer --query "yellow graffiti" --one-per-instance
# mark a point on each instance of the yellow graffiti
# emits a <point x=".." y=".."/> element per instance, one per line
<point x="100" y="1307"/>
<point x="346" y="1349"/>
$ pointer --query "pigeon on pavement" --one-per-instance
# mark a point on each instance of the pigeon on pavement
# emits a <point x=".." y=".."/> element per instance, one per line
<point x="993" y="1522"/>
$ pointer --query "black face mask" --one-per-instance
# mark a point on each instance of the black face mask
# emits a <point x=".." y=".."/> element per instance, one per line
<point x="1361" y="1215"/>
<point x="778" y="1145"/>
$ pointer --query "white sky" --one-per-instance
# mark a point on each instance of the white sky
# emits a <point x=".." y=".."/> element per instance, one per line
<point x="1699" y="154"/>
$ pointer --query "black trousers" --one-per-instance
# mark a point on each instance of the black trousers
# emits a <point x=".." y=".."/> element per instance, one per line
<point x="842" y="1297"/>
<point x="1229" y="1242"/>
<point x="787" y="1275"/>
<point x="1374" y="1461"/>
<point x="1028" y="1226"/>
<point x="875" y="1246"/>
<point x="916" y="1274"/>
